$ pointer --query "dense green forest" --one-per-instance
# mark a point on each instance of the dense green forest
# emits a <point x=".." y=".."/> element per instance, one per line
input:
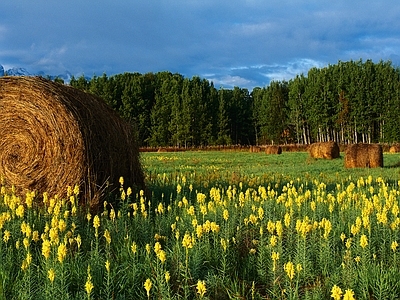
<point x="348" y="102"/>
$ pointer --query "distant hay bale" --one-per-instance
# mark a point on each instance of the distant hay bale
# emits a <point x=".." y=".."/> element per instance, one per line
<point x="53" y="136"/>
<point x="363" y="156"/>
<point x="394" y="148"/>
<point x="255" y="149"/>
<point x="327" y="150"/>
<point x="273" y="150"/>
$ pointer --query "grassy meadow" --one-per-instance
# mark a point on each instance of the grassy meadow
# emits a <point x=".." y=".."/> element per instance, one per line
<point x="219" y="225"/>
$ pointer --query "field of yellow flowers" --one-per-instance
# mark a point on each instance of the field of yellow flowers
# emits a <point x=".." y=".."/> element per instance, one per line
<point x="218" y="226"/>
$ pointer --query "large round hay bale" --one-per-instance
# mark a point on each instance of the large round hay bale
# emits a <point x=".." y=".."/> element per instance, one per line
<point x="273" y="149"/>
<point x="363" y="156"/>
<point x="53" y="136"/>
<point x="327" y="150"/>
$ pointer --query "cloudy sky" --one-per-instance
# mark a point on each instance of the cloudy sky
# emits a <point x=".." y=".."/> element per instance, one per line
<point x="243" y="43"/>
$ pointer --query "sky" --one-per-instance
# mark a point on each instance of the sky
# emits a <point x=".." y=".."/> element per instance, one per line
<point x="244" y="43"/>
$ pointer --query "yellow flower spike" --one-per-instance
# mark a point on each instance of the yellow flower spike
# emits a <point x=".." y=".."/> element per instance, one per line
<point x="201" y="288"/>
<point x="199" y="231"/>
<point x="107" y="265"/>
<point x="51" y="275"/>
<point x="46" y="248"/>
<point x="19" y="212"/>
<point x="336" y="292"/>
<point x="160" y="208"/>
<point x="96" y="222"/>
<point x="129" y="192"/>
<point x="224" y="244"/>
<point x="88" y="217"/>
<point x="363" y="241"/>
<point x="78" y="241"/>
<point x="89" y="285"/>
<point x="342" y="236"/>
<point x="133" y="247"/>
<point x="107" y="236"/>
<point x="273" y="240"/>
<point x="167" y="276"/>
<point x="25" y="242"/>
<point x="394" y="246"/>
<point x="147" y="286"/>
<point x="121" y="181"/>
<point x="162" y="256"/>
<point x="157" y="247"/>
<point x="225" y="214"/>
<point x="35" y="236"/>
<point x="61" y="252"/>
<point x="187" y="241"/>
<point x="348" y="295"/>
<point x="289" y="269"/>
<point x="148" y="248"/>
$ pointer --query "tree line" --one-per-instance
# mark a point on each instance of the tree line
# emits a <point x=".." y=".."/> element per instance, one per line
<point x="348" y="102"/>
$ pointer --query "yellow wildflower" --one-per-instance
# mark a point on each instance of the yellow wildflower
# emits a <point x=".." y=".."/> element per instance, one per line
<point x="107" y="265"/>
<point x="61" y="252"/>
<point x="187" y="241"/>
<point x="394" y="246"/>
<point x="133" y="247"/>
<point x="336" y="292"/>
<point x="348" y="295"/>
<point x="19" y="212"/>
<point x="363" y="241"/>
<point x="162" y="256"/>
<point x="6" y="236"/>
<point x="157" y="247"/>
<point x="107" y="236"/>
<point x="201" y="288"/>
<point x="46" y="248"/>
<point x="225" y="214"/>
<point x="25" y="241"/>
<point x="147" y="286"/>
<point x="51" y="275"/>
<point x="167" y="276"/>
<point x="96" y="221"/>
<point x="289" y="269"/>
<point x="89" y="285"/>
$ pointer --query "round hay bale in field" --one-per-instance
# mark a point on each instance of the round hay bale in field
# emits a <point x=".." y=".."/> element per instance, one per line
<point x="273" y="150"/>
<point x="363" y="156"/>
<point x="327" y="150"/>
<point x="255" y="149"/>
<point x="53" y="136"/>
<point x="394" y="148"/>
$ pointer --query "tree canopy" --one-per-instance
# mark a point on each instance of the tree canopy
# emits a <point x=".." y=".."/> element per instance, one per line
<point x="348" y="102"/>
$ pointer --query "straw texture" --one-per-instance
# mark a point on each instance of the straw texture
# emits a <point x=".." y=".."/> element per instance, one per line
<point x="273" y="149"/>
<point x="363" y="156"/>
<point x="327" y="150"/>
<point x="53" y="136"/>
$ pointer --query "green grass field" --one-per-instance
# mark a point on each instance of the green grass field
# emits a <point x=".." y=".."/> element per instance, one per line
<point x="219" y="225"/>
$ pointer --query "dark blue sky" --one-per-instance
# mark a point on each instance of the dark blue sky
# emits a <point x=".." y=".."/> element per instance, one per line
<point x="245" y="43"/>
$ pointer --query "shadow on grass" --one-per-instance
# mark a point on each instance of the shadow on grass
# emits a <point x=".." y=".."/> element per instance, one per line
<point x="392" y="166"/>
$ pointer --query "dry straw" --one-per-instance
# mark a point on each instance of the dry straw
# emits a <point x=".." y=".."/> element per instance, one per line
<point x="53" y="136"/>
<point x="255" y="149"/>
<point x="273" y="149"/>
<point x="363" y="156"/>
<point x="327" y="150"/>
